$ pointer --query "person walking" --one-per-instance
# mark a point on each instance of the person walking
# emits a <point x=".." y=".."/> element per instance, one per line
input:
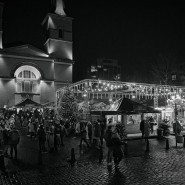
<point x="90" y="129"/>
<point x="31" y="128"/>
<point x="14" y="141"/>
<point x="84" y="136"/>
<point x="102" y="128"/>
<point x="6" y="140"/>
<point x="62" y="132"/>
<point x="109" y="144"/>
<point x="57" y="137"/>
<point x="35" y="124"/>
<point x="117" y="148"/>
<point x="146" y="129"/>
<point x="97" y="133"/>
<point x="151" y="121"/>
<point x="142" y="127"/>
<point x="42" y="138"/>
<point x="51" y="137"/>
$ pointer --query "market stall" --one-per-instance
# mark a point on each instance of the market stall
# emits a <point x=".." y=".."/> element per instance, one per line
<point x="129" y="113"/>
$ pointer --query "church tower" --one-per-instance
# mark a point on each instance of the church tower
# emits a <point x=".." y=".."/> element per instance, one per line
<point x="58" y="33"/>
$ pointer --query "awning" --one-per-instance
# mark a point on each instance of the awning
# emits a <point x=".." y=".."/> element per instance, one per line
<point x="27" y="103"/>
<point x="128" y="106"/>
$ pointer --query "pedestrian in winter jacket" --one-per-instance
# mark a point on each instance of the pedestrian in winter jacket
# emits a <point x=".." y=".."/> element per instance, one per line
<point x="84" y="136"/>
<point x="146" y="128"/>
<point x="142" y="127"/>
<point x="6" y="141"/>
<point x="14" y="141"/>
<point x="117" y="148"/>
<point x="97" y="133"/>
<point x="42" y="138"/>
<point x="102" y="127"/>
<point x="89" y="126"/>
<point x="109" y="144"/>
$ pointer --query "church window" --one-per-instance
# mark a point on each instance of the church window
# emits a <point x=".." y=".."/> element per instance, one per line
<point x="27" y="78"/>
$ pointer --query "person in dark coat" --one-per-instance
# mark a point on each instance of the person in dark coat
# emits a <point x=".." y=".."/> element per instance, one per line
<point x="142" y="127"/>
<point x="84" y="136"/>
<point x="14" y="141"/>
<point x="97" y="133"/>
<point x="62" y="132"/>
<point x="6" y="140"/>
<point x="102" y="128"/>
<point x="90" y="128"/>
<point x="117" y="148"/>
<point x="109" y="144"/>
<point x="42" y="138"/>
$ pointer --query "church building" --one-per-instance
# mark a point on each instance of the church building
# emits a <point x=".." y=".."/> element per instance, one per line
<point x="28" y="72"/>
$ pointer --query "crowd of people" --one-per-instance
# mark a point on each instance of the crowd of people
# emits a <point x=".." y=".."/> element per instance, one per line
<point x="9" y="135"/>
<point x="94" y="134"/>
<point x="45" y="127"/>
<point x="50" y="131"/>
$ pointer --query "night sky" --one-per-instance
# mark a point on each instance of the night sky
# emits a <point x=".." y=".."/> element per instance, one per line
<point x="133" y="32"/>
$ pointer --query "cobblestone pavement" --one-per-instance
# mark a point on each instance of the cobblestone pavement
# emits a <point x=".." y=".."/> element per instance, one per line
<point x="158" y="167"/>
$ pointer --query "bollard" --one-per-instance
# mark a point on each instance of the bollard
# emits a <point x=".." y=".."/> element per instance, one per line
<point x="167" y="144"/>
<point x="126" y="149"/>
<point x="40" y="158"/>
<point x="73" y="160"/>
<point x="101" y="155"/>
<point x="2" y="164"/>
<point x="147" y="146"/>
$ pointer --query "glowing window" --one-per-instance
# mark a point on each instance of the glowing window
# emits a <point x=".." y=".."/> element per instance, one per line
<point x="27" y="79"/>
<point x="26" y="74"/>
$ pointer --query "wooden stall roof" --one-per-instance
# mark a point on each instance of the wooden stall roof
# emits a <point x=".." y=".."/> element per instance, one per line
<point x="128" y="106"/>
<point x="26" y="102"/>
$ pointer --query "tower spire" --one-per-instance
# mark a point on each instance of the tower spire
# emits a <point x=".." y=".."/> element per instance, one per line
<point x="59" y="7"/>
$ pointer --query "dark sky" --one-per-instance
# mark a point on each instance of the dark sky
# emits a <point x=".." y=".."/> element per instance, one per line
<point x="133" y="32"/>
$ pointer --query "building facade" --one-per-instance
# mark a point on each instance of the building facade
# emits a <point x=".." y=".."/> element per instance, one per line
<point x="28" y="72"/>
<point x="105" y="69"/>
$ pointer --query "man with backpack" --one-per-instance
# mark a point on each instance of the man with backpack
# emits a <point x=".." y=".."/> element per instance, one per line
<point x="14" y="141"/>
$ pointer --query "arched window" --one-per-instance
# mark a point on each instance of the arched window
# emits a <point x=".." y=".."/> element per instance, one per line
<point x="27" y="78"/>
<point x="27" y="74"/>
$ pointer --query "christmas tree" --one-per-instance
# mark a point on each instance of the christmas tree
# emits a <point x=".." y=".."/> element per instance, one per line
<point x="68" y="105"/>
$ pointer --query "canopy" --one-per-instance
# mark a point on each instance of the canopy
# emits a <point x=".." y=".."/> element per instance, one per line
<point x="27" y="102"/>
<point x="128" y="105"/>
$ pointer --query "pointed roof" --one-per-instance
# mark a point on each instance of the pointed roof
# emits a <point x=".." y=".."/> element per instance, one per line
<point x="27" y="102"/>
<point x="26" y="50"/>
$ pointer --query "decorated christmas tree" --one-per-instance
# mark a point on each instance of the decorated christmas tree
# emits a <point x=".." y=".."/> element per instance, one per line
<point x="67" y="108"/>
